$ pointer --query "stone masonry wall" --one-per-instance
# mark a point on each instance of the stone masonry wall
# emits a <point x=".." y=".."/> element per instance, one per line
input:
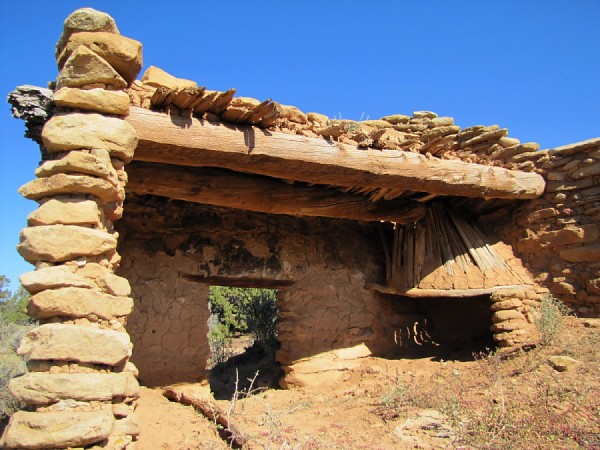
<point x="168" y="324"/>
<point x="327" y="315"/>
<point x="557" y="235"/>
<point x="80" y="389"/>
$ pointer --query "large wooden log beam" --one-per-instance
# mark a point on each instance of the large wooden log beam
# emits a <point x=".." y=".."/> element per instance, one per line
<point x="193" y="142"/>
<point x="257" y="193"/>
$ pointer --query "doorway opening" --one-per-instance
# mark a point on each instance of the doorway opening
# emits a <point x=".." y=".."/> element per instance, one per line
<point x="461" y="327"/>
<point x="243" y="341"/>
<point x="442" y="328"/>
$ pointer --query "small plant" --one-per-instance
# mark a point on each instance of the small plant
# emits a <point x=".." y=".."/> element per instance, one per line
<point x="14" y="323"/>
<point x="219" y="341"/>
<point x="11" y="365"/>
<point x="550" y="319"/>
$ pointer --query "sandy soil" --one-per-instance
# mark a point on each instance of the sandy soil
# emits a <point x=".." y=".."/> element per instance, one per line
<point x="409" y="403"/>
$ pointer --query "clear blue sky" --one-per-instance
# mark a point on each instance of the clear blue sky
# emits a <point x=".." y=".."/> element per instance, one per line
<point x="530" y="66"/>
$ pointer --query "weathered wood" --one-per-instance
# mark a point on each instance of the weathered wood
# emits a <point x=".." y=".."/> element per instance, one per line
<point x="34" y="105"/>
<point x="445" y="251"/>
<point x="227" y="430"/>
<point x="241" y="282"/>
<point x="450" y="293"/>
<point x="193" y="142"/>
<point x="256" y="193"/>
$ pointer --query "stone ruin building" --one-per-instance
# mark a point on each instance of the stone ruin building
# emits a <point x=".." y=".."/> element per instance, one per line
<point x="379" y="235"/>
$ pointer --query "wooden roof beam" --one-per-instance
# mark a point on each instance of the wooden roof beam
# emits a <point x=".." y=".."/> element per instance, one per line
<point x="193" y="142"/>
<point x="257" y="193"/>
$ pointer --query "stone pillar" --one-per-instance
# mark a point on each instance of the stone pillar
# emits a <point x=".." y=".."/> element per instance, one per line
<point x="513" y="317"/>
<point x="81" y="389"/>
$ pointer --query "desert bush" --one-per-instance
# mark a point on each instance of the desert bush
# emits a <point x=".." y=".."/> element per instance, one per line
<point x="11" y="364"/>
<point x="260" y="315"/>
<point x="14" y="323"/>
<point x="251" y="311"/>
<point x="219" y="341"/>
<point x="549" y="319"/>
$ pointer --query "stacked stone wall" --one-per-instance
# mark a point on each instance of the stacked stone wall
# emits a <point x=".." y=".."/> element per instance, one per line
<point x="327" y="315"/>
<point x="557" y="235"/>
<point x="81" y="388"/>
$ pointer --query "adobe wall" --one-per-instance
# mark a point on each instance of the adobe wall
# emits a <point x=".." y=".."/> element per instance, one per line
<point x="557" y="235"/>
<point x="327" y="315"/>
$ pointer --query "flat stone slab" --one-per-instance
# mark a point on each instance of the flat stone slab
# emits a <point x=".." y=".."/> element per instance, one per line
<point x="52" y="278"/>
<point x="63" y="242"/>
<point x="66" y="342"/>
<point x="76" y="131"/>
<point x="58" y="429"/>
<point x="62" y="183"/>
<point x="66" y="211"/>
<point x="78" y="302"/>
<point x="100" y="100"/>
<point x="41" y="388"/>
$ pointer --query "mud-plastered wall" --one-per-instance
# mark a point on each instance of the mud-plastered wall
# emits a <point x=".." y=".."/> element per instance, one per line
<point x="169" y="320"/>
<point x="328" y="317"/>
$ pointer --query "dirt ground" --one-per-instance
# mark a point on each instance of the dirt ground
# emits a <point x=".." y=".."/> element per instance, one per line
<point x="516" y="400"/>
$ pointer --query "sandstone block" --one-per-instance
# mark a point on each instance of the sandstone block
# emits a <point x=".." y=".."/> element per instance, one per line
<point x="509" y="325"/>
<point x="506" y="314"/>
<point x="442" y="121"/>
<point x="563" y="363"/>
<point x="157" y="77"/>
<point x="100" y="100"/>
<point x="424" y="115"/>
<point x="79" y="162"/>
<point x="66" y="211"/>
<point x="571" y="235"/>
<point x="320" y="120"/>
<point x="84" y="67"/>
<point x="588" y="171"/>
<point x="562" y="288"/>
<point x="52" y="278"/>
<point x="63" y="242"/>
<point x="508" y="304"/>
<point x="71" y="184"/>
<point x="85" y="19"/>
<point x="508" y="141"/>
<point x="128" y="425"/>
<point x="593" y="286"/>
<point x="396" y="119"/>
<point x="293" y="114"/>
<point x="123" y="54"/>
<point x="105" y="279"/>
<point x="41" y="388"/>
<point x="581" y="254"/>
<point x="58" y="429"/>
<point x="78" y="131"/>
<point x="78" y="302"/>
<point x="75" y="343"/>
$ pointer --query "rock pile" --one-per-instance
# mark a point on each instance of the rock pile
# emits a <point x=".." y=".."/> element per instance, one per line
<point x="513" y="317"/>
<point x="81" y="389"/>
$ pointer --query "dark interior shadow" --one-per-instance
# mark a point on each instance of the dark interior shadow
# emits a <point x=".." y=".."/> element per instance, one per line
<point x="249" y="373"/>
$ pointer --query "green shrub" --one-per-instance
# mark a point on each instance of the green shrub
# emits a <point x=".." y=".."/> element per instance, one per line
<point x="219" y="341"/>
<point x="549" y="319"/>
<point x="243" y="310"/>
<point x="11" y="365"/>
<point x="14" y="323"/>
<point x="260" y="315"/>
